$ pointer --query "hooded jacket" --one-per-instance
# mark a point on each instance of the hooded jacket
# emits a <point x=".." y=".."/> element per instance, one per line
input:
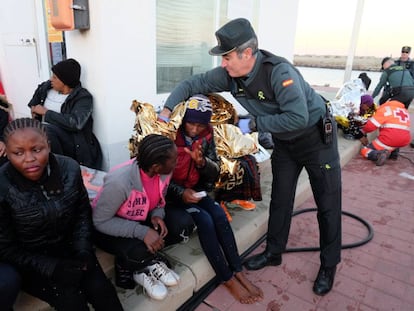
<point x="114" y="211"/>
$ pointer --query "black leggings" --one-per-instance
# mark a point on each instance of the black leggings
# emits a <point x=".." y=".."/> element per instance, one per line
<point x="132" y="253"/>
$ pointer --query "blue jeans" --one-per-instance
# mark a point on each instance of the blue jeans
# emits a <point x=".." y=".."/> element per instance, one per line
<point x="9" y="286"/>
<point x="216" y="237"/>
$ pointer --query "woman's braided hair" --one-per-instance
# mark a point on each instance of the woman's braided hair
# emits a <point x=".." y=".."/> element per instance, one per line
<point x="23" y="123"/>
<point x="154" y="149"/>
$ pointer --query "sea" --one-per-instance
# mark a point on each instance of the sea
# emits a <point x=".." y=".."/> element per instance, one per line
<point x="335" y="77"/>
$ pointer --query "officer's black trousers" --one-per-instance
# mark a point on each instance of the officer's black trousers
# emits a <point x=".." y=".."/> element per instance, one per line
<point x="323" y="167"/>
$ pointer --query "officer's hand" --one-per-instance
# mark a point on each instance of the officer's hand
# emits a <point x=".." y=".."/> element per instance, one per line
<point x="164" y="115"/>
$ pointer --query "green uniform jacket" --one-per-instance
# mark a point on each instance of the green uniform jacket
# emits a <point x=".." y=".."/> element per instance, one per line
<point x="283" y="103"/>
<point x="393" y="76"/>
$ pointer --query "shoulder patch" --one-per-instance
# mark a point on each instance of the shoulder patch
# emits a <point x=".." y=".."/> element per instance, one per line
<point x="287" y="82"/>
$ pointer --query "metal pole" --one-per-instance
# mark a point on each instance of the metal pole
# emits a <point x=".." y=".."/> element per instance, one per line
<point x="354" y="40"/>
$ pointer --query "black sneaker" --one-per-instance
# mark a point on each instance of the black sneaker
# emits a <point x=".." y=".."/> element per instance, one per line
<point x="394" y="155"/>
<point x="382" y="157"/>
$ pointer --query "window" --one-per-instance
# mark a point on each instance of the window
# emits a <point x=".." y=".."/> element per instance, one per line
<point x="185" y="30"/>
<point x="185" y="33"/>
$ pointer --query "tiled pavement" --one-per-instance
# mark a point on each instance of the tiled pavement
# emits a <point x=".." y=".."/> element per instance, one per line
<point x="376" y="276"/>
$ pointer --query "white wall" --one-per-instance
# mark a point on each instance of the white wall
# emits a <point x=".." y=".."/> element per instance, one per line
<point x="277" y="26"/>
<point x="118" y="58"/>
<point x="275" y="31"/>
<point x="23" y="51"/>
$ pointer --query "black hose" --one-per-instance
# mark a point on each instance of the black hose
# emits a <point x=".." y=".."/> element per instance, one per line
<point x="369" y="237"/>
<point x="344" y="246"/>
<point x="200" y="295"/>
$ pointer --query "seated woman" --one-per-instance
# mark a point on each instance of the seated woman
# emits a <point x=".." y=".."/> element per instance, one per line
<point x="128" y="215"/>
<point x="65" y="107"/>
<point x="46" y="224"/>
<point x="195" y="174"/>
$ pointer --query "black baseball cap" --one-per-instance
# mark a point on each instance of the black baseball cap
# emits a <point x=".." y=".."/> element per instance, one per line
<point x="232" y="35"/>
<point x="406" y="49"/>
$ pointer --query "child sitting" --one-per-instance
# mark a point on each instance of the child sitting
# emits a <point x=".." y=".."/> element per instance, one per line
<point x="195" y="174"/>
<point x="129" y="215"/>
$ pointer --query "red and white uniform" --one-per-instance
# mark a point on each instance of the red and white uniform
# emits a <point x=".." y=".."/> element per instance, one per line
<point x="393" y="121"/>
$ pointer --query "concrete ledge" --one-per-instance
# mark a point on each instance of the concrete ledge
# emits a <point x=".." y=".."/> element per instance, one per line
<point x="189" y="260"/>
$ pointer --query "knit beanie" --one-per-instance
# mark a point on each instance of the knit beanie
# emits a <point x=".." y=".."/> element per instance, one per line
<point x="68" y="71"/>
<point x="366" y="100"/>
<point x="198" y="109"/>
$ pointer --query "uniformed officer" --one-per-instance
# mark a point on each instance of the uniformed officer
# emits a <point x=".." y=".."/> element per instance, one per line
<point x="282" y="103"/>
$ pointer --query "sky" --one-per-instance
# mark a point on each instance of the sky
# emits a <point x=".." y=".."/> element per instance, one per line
<point x="325" y="27"/>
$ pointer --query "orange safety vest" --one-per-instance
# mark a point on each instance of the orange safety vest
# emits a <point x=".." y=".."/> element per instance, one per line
<point x="393" y="121"/>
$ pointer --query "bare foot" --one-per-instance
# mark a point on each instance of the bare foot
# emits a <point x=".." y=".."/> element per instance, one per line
<point x="238" y="291"/>
<point x="254" y="291"/>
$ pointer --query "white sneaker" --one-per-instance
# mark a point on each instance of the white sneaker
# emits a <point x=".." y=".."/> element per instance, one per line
<point x="161" y="272"/>
<point x="154" y="288"/>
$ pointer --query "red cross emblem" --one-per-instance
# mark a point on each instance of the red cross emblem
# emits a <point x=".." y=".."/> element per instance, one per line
<point x="402" y="115"/>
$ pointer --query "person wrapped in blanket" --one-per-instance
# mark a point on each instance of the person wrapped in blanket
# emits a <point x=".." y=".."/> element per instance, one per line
<point x="353" y="123"/>
<point x="194" y="176"/>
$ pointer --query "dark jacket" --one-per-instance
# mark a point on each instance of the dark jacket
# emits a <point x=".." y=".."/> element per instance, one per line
<point x="4" y="117"/>
<point x="75" y="117"/>
<point x="186" y="174"/>
<point x="41" y="221"/>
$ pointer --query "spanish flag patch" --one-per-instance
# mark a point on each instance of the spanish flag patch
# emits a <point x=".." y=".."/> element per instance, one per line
<point x="287" y="82"/>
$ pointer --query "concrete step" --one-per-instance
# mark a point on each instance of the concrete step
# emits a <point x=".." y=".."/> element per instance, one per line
<point x="189" y="260"/>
